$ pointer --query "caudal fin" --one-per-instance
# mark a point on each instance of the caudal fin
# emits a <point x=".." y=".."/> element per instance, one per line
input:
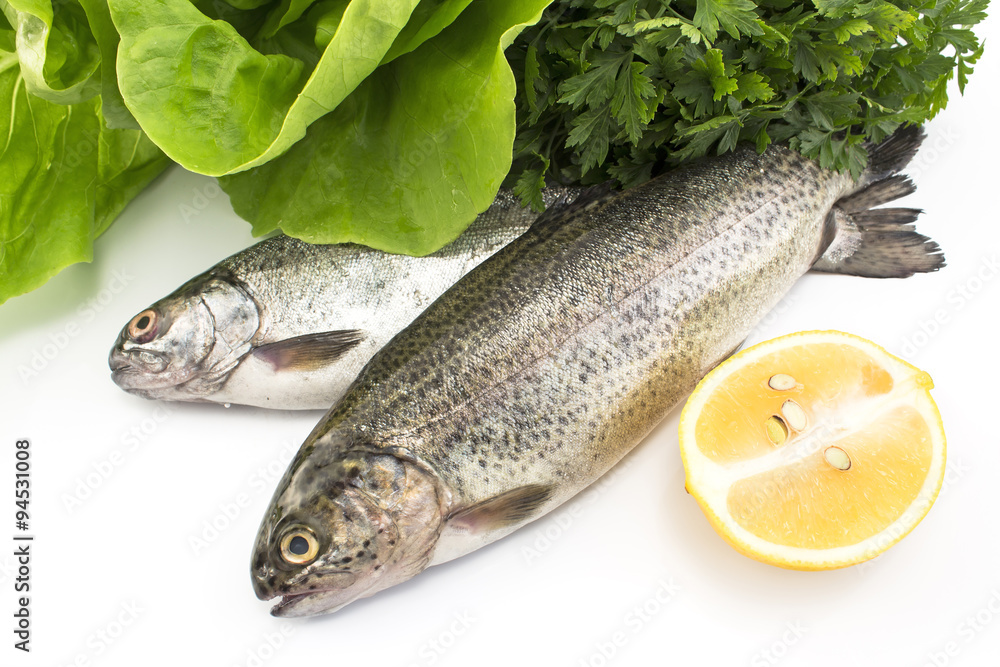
<point x="880" y="242"/>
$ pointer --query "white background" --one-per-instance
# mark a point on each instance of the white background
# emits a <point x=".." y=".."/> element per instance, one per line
<point x="119" y="579"/>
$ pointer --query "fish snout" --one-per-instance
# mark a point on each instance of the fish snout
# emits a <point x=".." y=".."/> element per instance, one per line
<point x="123" y="370"/>
<point x="124" y="361"/>
<point x="263" y="588"/>
<point x="118" y="360"/>
<point x="263" y="578"/>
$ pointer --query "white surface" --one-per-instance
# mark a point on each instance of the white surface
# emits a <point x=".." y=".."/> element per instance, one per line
<point x="559" y="591"/>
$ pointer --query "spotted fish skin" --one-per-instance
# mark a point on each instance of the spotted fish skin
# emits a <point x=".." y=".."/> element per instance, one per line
<point x="545" y="365"/>
<point x="309" y="316"/>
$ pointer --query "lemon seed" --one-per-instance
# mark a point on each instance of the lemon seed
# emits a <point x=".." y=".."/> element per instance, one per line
<point x="794" y="415"/>
<point x="777" y="432"/>
<point x="781" y="382"/>
<point x="838" y="458"/>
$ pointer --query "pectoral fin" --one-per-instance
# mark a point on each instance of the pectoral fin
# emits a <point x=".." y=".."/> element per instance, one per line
<point x="504" y="510"/>
<point x="309" y="352"/>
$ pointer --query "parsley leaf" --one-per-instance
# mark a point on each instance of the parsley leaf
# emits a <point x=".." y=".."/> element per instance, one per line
<point x="736" y="17"/>
<point x="623" y="89"/>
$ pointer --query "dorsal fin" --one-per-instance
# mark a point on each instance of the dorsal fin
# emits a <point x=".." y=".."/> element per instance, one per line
<point x="561" y="209"/>
<point x="893" y="153"/>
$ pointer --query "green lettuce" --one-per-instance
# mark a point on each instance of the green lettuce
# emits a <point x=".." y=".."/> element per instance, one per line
<point x="217" y="105"/>
<point x="428" y="19"/>
<point x="408" y="106"/>
<point x="408" y="159"/>
<point x="65" y="177"/>
<point x="60" y="61"/>
<point x="113" y="108"/>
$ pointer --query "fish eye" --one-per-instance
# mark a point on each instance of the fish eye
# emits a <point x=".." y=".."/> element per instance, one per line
<point x="299" y="546"/>
<point x="142" y="325"/>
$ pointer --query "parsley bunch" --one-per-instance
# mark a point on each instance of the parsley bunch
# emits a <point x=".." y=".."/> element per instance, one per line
<point x="621" y="89"/>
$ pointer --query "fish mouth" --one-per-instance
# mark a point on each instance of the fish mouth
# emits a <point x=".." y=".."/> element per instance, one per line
<point x="291" y="606"/>
<point x="124" y="371"/>
<point x="320" y="601"/>
<point x="120" y="372"/>
<point x="125" y="375"/>
<point x="129" y="379"/>
<point x="141" y="378"/>
<point x="118" y="362"/>
<point x="286" y="601"/>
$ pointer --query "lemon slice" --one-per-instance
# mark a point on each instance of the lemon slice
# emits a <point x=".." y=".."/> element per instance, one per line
<point x="813" y="451"/>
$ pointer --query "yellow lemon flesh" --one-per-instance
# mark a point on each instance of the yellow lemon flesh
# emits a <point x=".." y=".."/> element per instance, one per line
<point x="813" y="451"/>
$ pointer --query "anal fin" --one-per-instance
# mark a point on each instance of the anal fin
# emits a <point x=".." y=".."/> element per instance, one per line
<point x="502" y="511"/>
<point x="309" y="352"/>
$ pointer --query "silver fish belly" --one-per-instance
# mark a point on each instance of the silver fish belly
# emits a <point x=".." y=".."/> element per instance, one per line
<point x="286" y="324"/>
<point x="544" y="366"/>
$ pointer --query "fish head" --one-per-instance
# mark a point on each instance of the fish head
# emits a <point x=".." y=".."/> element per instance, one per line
<point x="184" y="346"/>
<point x="344" y="529"/>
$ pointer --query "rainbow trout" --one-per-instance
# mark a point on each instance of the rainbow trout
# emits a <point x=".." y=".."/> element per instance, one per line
<point x="541" y="368"/>
<point x="288" y="325"/>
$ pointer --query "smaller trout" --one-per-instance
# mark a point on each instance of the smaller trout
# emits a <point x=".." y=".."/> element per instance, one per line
<point x="285" y="324"/>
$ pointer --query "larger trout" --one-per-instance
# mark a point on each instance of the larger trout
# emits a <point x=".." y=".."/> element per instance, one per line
<point x="541" y="368"/>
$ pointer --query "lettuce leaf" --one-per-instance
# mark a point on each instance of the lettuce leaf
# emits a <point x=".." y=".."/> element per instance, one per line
<point x="63" y="48"/>
<point x="60" y="60"/>
<point x="288" y="11"/>
<point x="113" y="108"/>
<point x="218" y="105"/>
<point x="406" y="162"/>
<point x="95" y="88"/>
<point x="64" y="177"/>
<point x="428" y="19"/>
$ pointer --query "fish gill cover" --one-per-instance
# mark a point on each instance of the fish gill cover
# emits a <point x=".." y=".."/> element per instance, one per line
<point x="392" y="123"/>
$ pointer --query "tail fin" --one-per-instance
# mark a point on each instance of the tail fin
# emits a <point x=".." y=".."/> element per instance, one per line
<point x="880" y="242"/>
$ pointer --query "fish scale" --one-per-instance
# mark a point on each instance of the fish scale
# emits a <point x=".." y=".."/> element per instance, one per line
<point x="545" y="365"/>
<point x="505" y="313"/>
<point x="626" y="327"/>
